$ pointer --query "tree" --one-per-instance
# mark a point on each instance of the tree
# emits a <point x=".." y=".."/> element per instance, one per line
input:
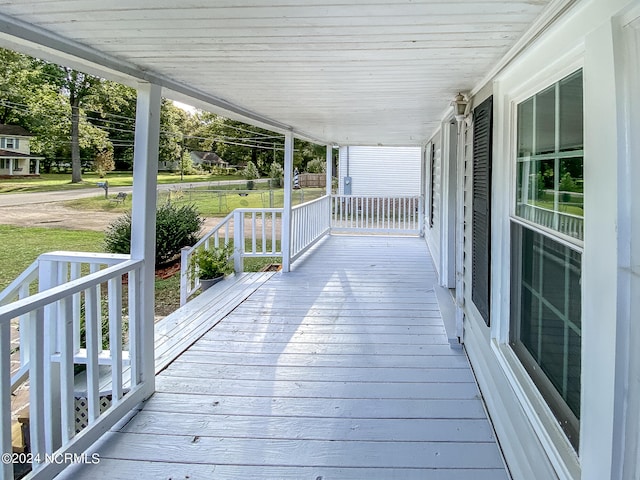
<point x="114" y="111"/>
<point x="316" y="165"/>
<point x="78" y="87"/>
<point x="29" y="99"/>
<point x="173" y="125"/>
<point x="104" y="163"/>
<point x="236" y="142"/>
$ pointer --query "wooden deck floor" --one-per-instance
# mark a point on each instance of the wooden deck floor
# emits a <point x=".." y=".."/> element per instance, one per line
<point x="340" y="369"/>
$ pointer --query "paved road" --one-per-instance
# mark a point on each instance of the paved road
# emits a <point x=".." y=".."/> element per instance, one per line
<point x="14" y="199"/>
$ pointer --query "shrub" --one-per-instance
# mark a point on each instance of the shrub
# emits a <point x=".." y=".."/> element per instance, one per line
<point x="316" y="166"/>
<point x="276" y="172"/>
<point x="212" y="263"/>
<point x="104" y="163"/>
<point x="250" y="172"/>
<point x="176" y="227"/>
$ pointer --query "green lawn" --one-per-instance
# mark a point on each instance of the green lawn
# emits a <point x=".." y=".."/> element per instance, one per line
<point x="563" y="208"/>
<point x="62" y="181"/>
<point x="209" y="203"/>
<point x="22" y="245"/>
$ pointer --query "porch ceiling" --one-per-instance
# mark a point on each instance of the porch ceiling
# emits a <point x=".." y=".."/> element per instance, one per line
<point x="346" y="71"/>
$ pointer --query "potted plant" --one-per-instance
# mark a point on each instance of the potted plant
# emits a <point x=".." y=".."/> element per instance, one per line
<point x="211" y="265"/>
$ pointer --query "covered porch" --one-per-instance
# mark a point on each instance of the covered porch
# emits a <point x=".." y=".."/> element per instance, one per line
<point x="339" y="369"/>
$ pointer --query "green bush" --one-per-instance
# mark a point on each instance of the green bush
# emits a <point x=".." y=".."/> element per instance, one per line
<point x="250" y="172"/>
<point x="176" y="227"/>
<point x="276" y="172"/>
<point x="316" y="165"/>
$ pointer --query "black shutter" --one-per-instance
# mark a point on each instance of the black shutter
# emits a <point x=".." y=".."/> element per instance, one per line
<point x="432" y="184"/>
<point x="481" y="222"/>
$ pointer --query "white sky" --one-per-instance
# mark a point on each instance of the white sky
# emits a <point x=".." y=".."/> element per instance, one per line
<point x="184" y="106"/>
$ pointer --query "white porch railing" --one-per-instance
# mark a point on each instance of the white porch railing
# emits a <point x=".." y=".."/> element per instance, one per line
<point x="566" y="223"/>
<point x="309" y="223"/>
<point x="369" y="214"/>
<point x="77" y="317"/>
<point x="252" y="232"/>
<point x="257" y="232"/>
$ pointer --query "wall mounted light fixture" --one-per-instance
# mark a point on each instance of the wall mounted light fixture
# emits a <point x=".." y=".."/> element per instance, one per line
<point x="461" y="106"/>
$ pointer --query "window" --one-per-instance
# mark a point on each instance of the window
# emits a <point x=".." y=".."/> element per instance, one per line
<point x="546" y="232"/>
<point x="10" y="143"/>
<point x="3" y="164"/>
<point x="549" y="167"/>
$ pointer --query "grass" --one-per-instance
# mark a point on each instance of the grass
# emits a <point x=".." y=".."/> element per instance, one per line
<point x="62" y="181"/>
<point x="209" y="203"/>
<point x="22" y="245"/>
<point x="562" y="207"/>
<point x="27" y="243"/>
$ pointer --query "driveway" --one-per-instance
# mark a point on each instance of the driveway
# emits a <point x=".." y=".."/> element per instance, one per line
<point x="10" y="199"/>
<point x="46" y="209"/>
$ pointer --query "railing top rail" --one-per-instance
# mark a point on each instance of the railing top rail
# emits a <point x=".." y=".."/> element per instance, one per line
<point x="265" y="210"/>
<point x="310" y="202"/>
<point x="106" y="258"/>
<point x="29" y="275"/>
<point x="41" y="299"/>
<point x="211" y="232"/>
<point x="376" y="196"/>
<point x="547" y="210"/>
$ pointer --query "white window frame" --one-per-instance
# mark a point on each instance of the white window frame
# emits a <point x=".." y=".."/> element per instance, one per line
<point x="560" y="451"/>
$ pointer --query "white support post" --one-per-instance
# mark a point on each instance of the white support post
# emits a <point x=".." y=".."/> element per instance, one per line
<point x="286" y="213"/>
<point x="329" y="168"/>
<point x="238" y="241"/>
<point x="143" y="222"/>
<point x="6" y="468"/>
<point x="423" y="189"/>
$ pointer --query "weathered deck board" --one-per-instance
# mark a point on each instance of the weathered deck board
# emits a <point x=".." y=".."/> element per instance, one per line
<point x="339" y="369"/>
<point x="296" y="359"/>
<point x="319" y="407"/>
<point x="112" y="469"/>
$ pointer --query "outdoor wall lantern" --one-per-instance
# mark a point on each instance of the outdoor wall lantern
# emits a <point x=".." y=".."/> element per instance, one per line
<point x="461" y="107"/>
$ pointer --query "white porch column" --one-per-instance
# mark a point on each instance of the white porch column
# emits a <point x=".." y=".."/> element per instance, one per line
<point x="286" y="213"/>
<point x="329" y="168"/>
<point x="423" y="189"/>
<point x="143" y="217"/>
<point x="11" y="166"/>
<point x="37" y="166"/>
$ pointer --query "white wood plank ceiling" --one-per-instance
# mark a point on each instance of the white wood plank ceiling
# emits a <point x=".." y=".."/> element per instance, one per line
<point x="342" y="71"/>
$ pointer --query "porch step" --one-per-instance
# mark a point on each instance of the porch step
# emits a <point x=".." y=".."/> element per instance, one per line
<point x="20" y="433"/>
<point x="181" y="329"/>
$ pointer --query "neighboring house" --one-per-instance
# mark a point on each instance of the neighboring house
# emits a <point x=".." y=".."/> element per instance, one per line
<point x="197" y="158"/>
<point x="15" y="152"/>
<point x="208" y="158"/>
<point x="164" y="166"/>
<point x="379" y="171"/>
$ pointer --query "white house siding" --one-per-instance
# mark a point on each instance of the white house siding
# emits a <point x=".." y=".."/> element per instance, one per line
<point x="382" y="171"/>
<point x="589" y="36"/>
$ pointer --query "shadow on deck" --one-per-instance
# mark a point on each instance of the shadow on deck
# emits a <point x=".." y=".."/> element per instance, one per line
<point x="340" y="369"/>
